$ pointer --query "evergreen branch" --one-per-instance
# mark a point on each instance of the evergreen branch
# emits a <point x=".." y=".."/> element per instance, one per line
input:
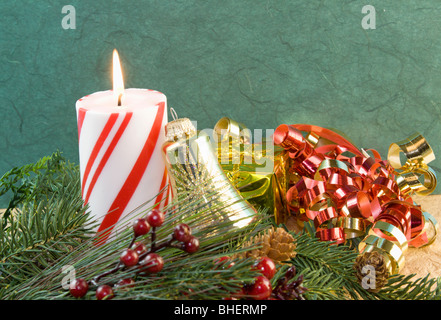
<point x="191" y="271"/>
<point x="404" y="287"/>
<point x="29" y="180"/>
<point x="47" y="223"/>
<point x="326" y="267"/>
<point x="321" y="286"/>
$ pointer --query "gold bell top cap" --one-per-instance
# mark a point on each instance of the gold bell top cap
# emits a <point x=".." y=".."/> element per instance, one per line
<point x="179" y="128"/>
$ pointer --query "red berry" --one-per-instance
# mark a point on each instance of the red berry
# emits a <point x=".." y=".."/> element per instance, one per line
<point x="140" y="227"/>
<point x="267" y="267"/>
<point x="129" y="257"/>
<point x="78" y="288"/>
<point x="104" y="292"/>
<point x="155" y="218"/>
<point x="182" y="232"/>
<point x="192" y="245"/>
<point x="125" y="283"/>
<point x="152" y="263"/>
<point x="139" y="248"/>
<point x="260" y="289"/>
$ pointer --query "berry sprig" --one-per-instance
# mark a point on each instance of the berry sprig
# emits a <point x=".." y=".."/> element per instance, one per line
<point x="260" y="288"/>
<point x="137" y="256"/>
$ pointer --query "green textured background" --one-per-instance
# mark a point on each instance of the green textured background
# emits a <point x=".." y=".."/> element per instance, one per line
<point x="262" y="63"/>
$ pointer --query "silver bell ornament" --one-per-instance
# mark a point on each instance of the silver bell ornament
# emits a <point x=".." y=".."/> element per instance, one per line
<point x="195" y="173"/>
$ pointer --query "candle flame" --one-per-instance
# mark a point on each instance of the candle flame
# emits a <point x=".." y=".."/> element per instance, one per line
<point x="118" y="82"/>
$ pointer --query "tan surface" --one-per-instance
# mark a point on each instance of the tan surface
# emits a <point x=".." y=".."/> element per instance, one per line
<point x="428" y="259"/>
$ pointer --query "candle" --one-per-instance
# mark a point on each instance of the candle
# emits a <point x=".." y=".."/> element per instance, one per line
<point x="120" y="133"/>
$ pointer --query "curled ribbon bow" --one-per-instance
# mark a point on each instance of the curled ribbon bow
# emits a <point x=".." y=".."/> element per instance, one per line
<point x="348" y="192"/>
<point x="417" y="154"/>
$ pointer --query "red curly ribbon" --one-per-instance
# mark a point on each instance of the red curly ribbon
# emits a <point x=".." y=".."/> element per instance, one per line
<point x="334" y="186"/>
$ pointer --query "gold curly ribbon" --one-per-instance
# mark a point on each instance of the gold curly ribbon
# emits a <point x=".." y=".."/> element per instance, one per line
<point x="418" y="154"/>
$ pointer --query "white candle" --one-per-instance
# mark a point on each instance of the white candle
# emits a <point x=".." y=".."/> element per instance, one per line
<point x="120" y="155"/>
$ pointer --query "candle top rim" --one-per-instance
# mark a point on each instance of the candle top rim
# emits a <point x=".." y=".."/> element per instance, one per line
<point x="135" y="98"/>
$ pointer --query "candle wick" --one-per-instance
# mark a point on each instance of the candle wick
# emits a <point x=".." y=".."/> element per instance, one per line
<point x="119" y="100"/>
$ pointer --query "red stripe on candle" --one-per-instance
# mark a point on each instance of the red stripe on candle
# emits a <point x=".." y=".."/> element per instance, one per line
<point x="81" y="116"/>
<point x="132" y="181"/>
<point x="96" y="149"/>
<point x="107" y="154"/>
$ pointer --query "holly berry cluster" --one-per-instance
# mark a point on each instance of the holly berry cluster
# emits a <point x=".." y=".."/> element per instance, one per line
<point x="137" y="255"/>
<point x="261" y="288"/>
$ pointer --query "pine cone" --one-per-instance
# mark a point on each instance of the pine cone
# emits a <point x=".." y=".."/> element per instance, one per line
<point x="376" y="261"/>
<point x="277" y="245"/>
